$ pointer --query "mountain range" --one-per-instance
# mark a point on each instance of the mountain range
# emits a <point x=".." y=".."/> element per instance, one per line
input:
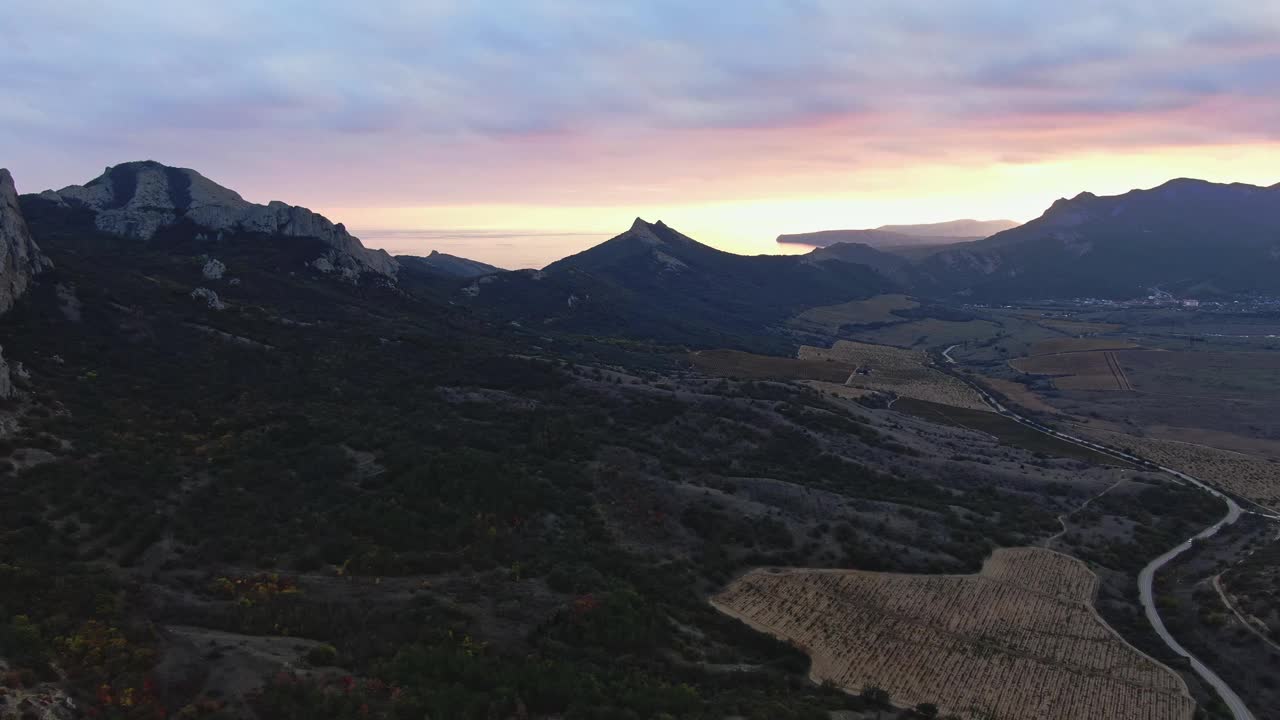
<point x="255" y="469"/>
<point x="652" y="282"/>
<point x="649" y="282"/>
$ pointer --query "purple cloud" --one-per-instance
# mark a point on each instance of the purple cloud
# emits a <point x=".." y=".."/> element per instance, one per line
<point x="456" y="100"/>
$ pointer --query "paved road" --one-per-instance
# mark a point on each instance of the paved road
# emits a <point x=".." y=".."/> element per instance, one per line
<point x="1145" y="578"/>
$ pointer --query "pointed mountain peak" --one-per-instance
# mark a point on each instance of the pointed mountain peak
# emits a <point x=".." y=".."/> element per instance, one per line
<point x="651" y="233"/>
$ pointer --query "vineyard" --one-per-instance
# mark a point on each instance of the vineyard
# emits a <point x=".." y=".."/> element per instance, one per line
<point x="1018" y="640"/>
<point x="1245" y="475"/>
<point x="734" y="363"/>
<point x="895" y="370"/>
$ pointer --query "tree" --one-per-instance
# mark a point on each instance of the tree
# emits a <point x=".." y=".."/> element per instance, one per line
<point x="876" y="695"/>
<point x="927" y="710"/>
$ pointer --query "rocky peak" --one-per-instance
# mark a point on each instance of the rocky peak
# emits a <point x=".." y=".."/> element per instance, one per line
<point x="20" y="257"/>
<point x="137" y="199"/>
<point x="644" y="232"/>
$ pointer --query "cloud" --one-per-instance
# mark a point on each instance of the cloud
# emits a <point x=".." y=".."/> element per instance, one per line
<point x="544" y="98"/>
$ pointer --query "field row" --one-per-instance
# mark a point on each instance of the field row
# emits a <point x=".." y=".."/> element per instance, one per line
<point x="1019" y="640"/>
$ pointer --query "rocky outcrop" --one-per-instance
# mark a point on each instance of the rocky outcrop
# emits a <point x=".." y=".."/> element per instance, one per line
<point x="137" y="199"/>
<point x="6" y="382"/>
<point x="209" y="298"/>
<point x="213" y="269"/>
<point x="20" y="258"/>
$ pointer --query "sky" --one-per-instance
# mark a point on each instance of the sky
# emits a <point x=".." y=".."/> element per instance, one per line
<point x="517" y="131"/>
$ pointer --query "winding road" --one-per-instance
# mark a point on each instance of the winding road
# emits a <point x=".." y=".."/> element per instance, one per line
<point x="1145" y="578"/>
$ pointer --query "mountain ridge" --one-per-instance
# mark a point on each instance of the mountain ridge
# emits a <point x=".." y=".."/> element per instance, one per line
<point x="1187" y="234"/>
<point x="444" y="264"/>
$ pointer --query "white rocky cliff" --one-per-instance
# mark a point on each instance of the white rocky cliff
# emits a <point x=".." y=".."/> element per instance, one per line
<point x="20" y="260"/>
<point x="137" y="199"/>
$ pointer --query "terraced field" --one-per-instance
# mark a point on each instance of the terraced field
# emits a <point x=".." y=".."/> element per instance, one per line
<point x="889" y="369"/>
<point x="1019" y="640"/>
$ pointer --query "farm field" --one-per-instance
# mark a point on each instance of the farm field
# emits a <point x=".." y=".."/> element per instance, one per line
<point x="831" y="318"/>
<point x="1077" y="327"/>
<point x="1250" y="477"/>
<point x="905" y="372"/>
<point x="1065" y="345"/>
<point x="1091" y="370"/>
<point x="1020" y="394"/>
<point x="1205" y="374"/>
<point x="734" y="363"/>
<point x="1018" y="640"/>
<point x="1011" y="336"/>
<point x="930" y="332"/>
<point x="1258" y="447"/>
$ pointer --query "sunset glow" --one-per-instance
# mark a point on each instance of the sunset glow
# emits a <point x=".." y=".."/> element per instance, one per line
<point x="570" y="119"/>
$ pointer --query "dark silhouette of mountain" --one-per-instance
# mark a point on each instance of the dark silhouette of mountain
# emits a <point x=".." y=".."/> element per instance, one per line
<point x="1188" y="236"/>
<point x="656" y="283"/>
<point x="439" y="263"/>
<point x="886" y="263"/>
<point x="902" y="236"/>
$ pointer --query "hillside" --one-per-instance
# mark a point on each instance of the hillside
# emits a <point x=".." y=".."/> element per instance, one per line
<point x="1186" y="236"/>
<point x="654" y="283"/>
<point x="886" y="263"/>
<point x="904" y="236"/>
<point x="237" y="485"/>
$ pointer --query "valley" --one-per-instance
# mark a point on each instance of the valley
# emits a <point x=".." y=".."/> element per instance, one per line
<point x="253" y="472"/>
<point x="567" y="360"/>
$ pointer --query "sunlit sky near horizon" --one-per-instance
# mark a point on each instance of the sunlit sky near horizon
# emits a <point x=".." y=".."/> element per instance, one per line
<point x="516" y="132"/>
